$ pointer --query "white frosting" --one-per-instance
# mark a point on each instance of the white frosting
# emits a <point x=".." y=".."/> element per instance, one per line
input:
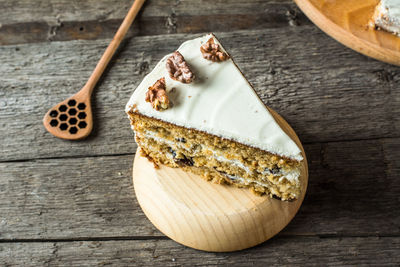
<point x="388" y="16"/>
<point x="220" y="102"/>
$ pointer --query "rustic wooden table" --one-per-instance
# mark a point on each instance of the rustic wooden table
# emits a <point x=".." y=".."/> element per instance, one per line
<point x="72" y="203"/>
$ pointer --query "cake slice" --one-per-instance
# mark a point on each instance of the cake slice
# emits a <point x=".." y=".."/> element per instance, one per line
<point x="387" y="16"/>
<point x="196" y="111"/>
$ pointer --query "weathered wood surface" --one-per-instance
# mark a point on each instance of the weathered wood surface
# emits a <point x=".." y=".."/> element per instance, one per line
<point x="353" y="191"/>
<point x="304" y="75"/>
<point x="280" y="251"/>
<point x="69" y="20"/>
<point x="71" y="203"/>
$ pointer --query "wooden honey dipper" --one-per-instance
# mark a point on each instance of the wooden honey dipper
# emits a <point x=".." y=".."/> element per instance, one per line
<point x="72" y="118"/>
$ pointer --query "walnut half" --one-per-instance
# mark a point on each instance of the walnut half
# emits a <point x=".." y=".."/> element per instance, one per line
<point x="157" y="95"/>
<point x="178" y="69"/>
<point x="213" y="52"/>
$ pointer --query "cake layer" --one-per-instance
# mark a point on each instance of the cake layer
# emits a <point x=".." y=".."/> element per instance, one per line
<point x="216" y="159"/>
<point x="219" y="101"/>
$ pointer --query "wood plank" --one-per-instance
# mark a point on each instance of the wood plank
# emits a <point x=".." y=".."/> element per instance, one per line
<point x="353" y="191"/>
<point x="351" y="183"/>
<point x="304" y="251"/>
<point x="326" y="92"/>
<point x="47" y="20"/>
<point x="77" y="197"/>
<point x="47" y="10"/>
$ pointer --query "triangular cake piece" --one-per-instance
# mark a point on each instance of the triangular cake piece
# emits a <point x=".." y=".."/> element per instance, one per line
<point x="196" y="111"/>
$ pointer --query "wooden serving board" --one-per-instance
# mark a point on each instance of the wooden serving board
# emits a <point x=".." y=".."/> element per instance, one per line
<point x="347" y="21"/>
<point x="208" y="216"/>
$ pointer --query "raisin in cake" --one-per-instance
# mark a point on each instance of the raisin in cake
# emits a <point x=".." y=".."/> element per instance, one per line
<point x="387" y="16"/>
<point x="196" y="111"/>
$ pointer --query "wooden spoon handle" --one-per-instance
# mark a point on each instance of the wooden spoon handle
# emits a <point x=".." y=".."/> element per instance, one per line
<point x="112" y="47"/>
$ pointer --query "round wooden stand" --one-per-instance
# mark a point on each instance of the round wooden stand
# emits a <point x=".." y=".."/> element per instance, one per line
<point x="347" y="22"/>
<point x="208" y="216"/>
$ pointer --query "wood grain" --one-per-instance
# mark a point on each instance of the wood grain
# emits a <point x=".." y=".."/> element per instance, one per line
<point x="60" y="20"/>
<point x="16" y="11"/>
<point x="353" y="185"/>
<point x="280" y="251"/>
<point x="316" y="86"/>
<point x="347" y="22"/>
<point x="57" y="199"/>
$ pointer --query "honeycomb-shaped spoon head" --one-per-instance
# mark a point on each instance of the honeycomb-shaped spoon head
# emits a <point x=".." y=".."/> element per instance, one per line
<point x="71" y="119"/>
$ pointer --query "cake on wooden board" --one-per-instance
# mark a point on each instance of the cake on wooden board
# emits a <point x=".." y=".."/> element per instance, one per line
<point x="196" y="111"/>
<point x="387" y="16"/>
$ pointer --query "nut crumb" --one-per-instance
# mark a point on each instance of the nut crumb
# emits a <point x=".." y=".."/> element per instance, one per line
<point x="213" y="52"/>
<point x="178" y="69"/>
<point x="157" y="95"/>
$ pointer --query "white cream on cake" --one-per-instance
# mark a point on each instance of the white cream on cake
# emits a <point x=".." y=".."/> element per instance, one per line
<point x="220" y="101"/>
<point x="387" y="16"/>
